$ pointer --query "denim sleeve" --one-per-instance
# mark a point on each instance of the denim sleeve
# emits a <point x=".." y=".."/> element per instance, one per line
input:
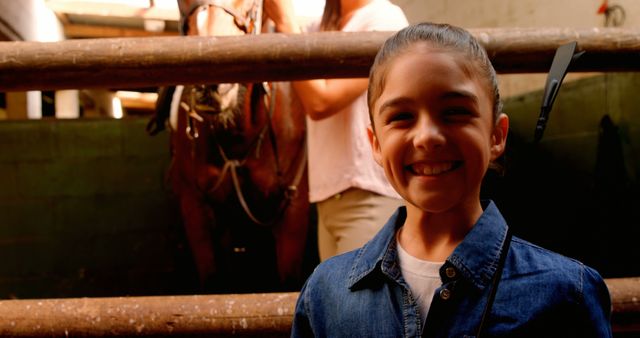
<point x="596" y="306"/>
<point x="301" y="326"/>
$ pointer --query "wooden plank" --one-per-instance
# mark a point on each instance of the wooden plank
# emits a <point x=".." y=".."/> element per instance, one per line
<point x="143" y="62"/>
<point x="76" y="31"/>
<point x="264" y="315"/>
<point x="121" y="10"/>
<point x="625" y="299"/>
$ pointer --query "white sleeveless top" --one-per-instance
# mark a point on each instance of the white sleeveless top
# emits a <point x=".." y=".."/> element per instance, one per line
<point x="340" y="155"/>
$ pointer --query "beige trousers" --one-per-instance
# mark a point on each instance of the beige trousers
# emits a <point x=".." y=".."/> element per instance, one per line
<point x="348" y="220"/>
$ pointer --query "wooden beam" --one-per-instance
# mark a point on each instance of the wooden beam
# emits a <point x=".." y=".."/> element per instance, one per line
<point x="625" y="299"/>
<point x="258" y="315"/>
<point x="77" y="31"/>
<point x="263" y="315"/>
<point x="143" y="62"/>
<point x="137" y="101"/>
<point x="120" y="10"/>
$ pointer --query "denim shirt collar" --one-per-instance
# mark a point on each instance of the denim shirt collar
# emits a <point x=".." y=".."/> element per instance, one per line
<point x="476" y="257"/>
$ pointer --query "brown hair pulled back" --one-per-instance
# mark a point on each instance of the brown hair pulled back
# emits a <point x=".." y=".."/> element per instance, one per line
<point x="440" y="36"/>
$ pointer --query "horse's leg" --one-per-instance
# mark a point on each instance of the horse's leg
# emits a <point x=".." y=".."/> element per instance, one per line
<point x="198" y="219"/>
<point x="290" y="236"/>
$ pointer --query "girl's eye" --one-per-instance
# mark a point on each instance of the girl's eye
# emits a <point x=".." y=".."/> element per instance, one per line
<point x="400" y="116"/>
<point x="457" y="112"/>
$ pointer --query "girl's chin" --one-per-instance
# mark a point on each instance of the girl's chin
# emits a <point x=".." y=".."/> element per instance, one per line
<point x="432" y="204"/>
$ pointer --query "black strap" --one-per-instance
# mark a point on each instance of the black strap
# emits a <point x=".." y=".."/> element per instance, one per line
<point x="495" y="282"/>
<point x="565" y="54"/>
<point x="162" y="110"/>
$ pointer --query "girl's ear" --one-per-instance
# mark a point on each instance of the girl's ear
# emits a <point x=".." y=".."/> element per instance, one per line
<point x="375" y="146"/>
<point x="499" y="137"/>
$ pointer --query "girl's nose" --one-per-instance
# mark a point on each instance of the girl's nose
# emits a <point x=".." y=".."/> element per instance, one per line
<point x="428" y="134"/>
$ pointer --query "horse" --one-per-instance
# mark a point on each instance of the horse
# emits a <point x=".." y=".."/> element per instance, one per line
<point x="238" y="167"/>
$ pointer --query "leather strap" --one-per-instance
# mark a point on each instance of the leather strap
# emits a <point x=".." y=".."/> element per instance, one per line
<point x="494" y="283"/>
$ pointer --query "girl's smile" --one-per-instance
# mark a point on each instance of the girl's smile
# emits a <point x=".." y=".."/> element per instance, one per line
<point x="433" y="169"/>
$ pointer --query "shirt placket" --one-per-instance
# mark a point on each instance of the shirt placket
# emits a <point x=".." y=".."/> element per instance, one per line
<point x="443" y="302"/>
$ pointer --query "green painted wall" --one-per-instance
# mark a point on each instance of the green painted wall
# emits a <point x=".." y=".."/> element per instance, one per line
<point x="84" y="211"/>
<point x="577" y="113"/>
<point x="577" y="191"/>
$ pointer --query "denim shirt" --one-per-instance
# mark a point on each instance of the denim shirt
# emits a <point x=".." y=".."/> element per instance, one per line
<point x="541" y="293"/>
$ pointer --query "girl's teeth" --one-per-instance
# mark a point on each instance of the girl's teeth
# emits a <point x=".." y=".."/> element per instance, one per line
<point x="432" y="169"/>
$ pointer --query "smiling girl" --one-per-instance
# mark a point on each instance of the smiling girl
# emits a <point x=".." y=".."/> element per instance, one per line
<point x="445" y="265"/>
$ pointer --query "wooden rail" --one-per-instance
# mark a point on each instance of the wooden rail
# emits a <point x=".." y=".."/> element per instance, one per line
<point x="257" y="315"/>
<point x="143" y="62"/>
<point x="264" y="315"/>
<point x="625" y="298"/>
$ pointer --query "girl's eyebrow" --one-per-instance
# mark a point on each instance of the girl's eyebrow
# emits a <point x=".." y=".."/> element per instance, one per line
<point x="398" y="101"/>
<point x="450" y="95"/>
<point x="460" y="94"/>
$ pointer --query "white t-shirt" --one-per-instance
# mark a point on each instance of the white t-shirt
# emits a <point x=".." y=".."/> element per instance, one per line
<point x="339" y="152"/>
<point x="423" y="278"/>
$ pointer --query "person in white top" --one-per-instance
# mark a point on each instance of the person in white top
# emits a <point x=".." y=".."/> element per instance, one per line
<point x="352" y="195"/>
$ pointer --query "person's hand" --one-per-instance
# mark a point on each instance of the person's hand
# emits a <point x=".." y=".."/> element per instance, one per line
<point x="282" y="14"/>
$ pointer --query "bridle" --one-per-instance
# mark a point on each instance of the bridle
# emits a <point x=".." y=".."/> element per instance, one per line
<point x="249" y="22"/>
<point x="230" y="165"/>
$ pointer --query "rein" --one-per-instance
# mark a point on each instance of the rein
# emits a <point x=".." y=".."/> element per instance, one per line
<point x="230" y="165"/>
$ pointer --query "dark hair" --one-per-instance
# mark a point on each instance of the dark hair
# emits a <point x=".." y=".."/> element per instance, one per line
<point x="439" y="36"/>
<point x="331" y="16"/>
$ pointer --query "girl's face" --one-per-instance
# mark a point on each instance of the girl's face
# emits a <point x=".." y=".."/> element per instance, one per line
<point x="434" y="129"/>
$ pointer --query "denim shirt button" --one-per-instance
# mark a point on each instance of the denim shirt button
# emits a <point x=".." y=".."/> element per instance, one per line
<point x="450" y="272"/>
<point x="445" y="294"/>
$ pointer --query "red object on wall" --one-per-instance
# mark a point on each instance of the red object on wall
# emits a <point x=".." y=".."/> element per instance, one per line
<point x="603" y="8"/>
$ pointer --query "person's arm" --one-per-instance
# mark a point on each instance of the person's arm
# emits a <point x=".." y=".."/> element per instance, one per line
<point x="320" y="98"/>
<point x="324" y="98"/>
<point x="282" y="14"/>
